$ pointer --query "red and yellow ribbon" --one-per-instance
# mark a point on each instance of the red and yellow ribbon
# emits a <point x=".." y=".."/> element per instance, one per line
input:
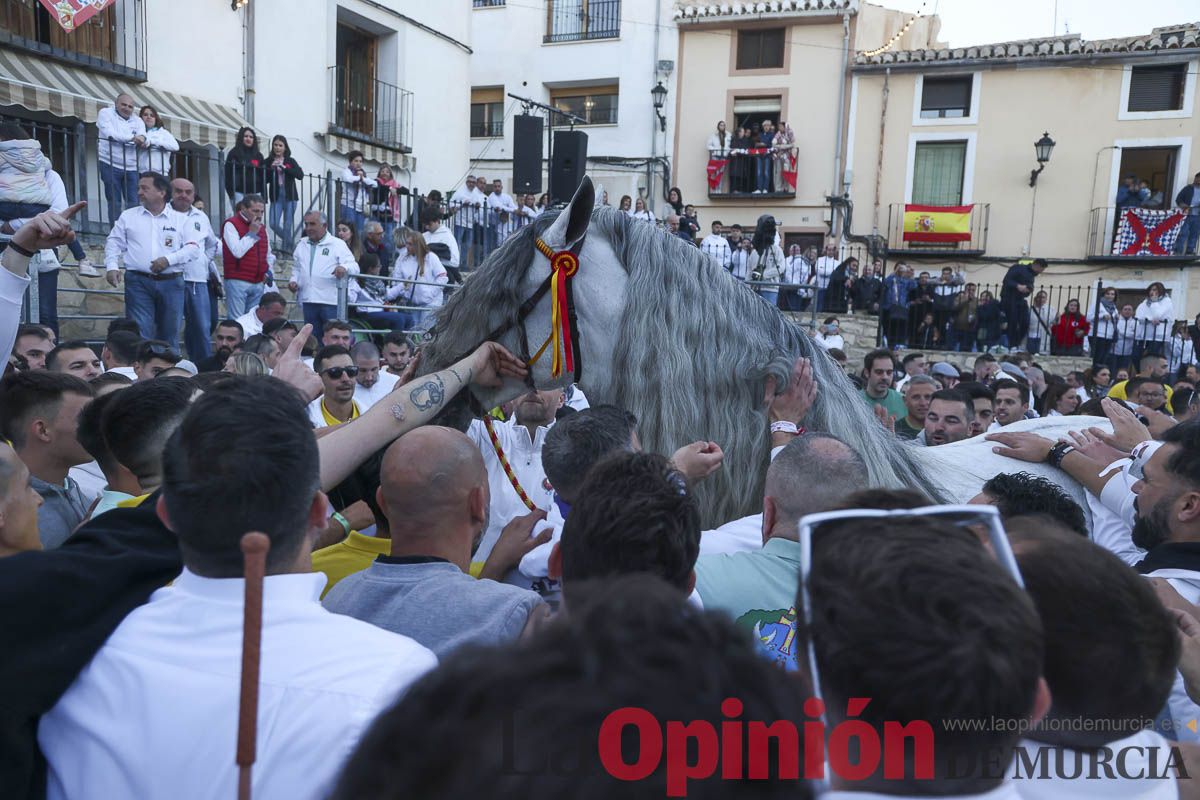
<point x="563" y="265"/>
<point x="508" y="470"/>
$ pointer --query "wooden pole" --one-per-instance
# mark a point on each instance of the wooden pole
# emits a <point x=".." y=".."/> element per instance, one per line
<point x="255" y="547"/>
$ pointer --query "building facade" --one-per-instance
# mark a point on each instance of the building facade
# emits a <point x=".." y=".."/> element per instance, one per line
<point x="388" y="78"/>
<point x="598" y="60"/>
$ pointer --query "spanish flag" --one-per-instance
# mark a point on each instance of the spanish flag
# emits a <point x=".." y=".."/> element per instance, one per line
<point x="937" y="223"/>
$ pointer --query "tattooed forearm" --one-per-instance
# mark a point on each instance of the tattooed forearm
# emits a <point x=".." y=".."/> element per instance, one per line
<point x="430" y="394"/>
<point x="461" y="380"/>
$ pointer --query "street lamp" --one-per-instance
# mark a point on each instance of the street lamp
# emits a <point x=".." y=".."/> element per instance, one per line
<point x="659" y="93"/>
<point x="1043" y="147"/>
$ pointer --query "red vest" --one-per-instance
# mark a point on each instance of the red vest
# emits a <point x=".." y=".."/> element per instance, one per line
<point x="251" y="267"/>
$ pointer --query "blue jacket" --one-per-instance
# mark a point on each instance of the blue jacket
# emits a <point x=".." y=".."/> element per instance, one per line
<point x="1186" y="197"/>
<point x="896" y="291"/>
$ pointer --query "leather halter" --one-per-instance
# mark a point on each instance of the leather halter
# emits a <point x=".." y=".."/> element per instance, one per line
<point x="531" y="303"/>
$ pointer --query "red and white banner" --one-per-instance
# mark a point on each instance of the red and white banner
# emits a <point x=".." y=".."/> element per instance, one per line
<point x="1146" y="232"/>
<point x="70" y="14"/>
<point x="716" y="171"/>
<point x="787" y="168"/>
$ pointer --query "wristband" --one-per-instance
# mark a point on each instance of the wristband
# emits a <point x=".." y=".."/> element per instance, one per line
<point x="340" y="520"/>
<point x="21" y="251"/>
<point x="783" y="426"/>
<point x="1057" y="453"/>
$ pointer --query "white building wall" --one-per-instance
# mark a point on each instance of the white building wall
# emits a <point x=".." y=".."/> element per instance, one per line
<point x="195" y="48"/>
<point x="509" y="52"/>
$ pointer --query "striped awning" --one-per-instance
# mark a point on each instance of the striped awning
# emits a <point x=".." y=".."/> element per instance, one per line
<point x="396" y="159"/>
<point x="40" y="84"/>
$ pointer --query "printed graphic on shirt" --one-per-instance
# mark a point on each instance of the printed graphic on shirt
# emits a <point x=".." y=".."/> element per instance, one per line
<point x="325" y="251"/>
<point x="775" y="631"/>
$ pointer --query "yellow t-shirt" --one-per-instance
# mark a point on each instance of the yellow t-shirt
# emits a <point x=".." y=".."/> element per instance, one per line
<point x="1117" y="392"/>
<point x="352" y="554"/>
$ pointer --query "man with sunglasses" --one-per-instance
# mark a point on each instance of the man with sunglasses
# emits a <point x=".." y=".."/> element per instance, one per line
<point x="336" y="405"/>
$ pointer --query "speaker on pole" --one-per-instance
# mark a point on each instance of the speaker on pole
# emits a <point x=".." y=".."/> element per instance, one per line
<point x="568" y="164"/>
<point x="527" y="154"/>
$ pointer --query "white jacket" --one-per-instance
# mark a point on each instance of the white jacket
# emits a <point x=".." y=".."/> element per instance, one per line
<point x="825" y="267"/>
<point x="1103" y="322"/>
<point x="1180" y="352"/>
<point x="1156" y="317"/>
<point x="156" y="156"/>
<point x="715" y="149"/>
<point x="115" y="134"/>
<point x="313" y="266"/>
<point x="770" y="264"/>
<point x="417" y="294"/>
<point x="354" y="190"/>
<point x="443" y="235"/>
<point x="23" y="169"/>
<point x="470" y="204"/>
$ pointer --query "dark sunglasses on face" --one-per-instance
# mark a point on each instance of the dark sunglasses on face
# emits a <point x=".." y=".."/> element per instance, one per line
<point x="337" y="372"/>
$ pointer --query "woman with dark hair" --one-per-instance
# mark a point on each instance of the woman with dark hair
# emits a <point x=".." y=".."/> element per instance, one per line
<point x="675" y="200"/>
<point x="282" y="174"/>
<point x="369" y="295"/>
<point x="766" y="262"/>
<point x="346" y="232"/>
<point x="245" y="167"/>
<point x="718" y="150"/>
<point x="1070" y="330"/>
<point x="626" y="205"/>
<point x="1097" y="381"/>
<point x="835" y="293"/>
<point x="741" y="165"/>
<point x="1059" y="400"/>
<point x="155" y="154"/>
<point x="385" y="201"/>
<point x="543" y="203"/>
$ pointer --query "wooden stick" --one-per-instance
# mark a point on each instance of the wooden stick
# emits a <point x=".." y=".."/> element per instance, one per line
<point x="255" y="547"/>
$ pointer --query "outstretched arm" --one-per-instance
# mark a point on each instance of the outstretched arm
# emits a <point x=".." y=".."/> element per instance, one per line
<point x="409" y="406"/>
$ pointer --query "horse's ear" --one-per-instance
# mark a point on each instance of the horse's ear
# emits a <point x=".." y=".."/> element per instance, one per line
<point x="573" y="221"/>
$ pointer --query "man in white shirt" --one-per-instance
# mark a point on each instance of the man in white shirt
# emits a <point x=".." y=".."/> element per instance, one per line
<point x="147" y="242"/>
<point x="197" y="311"/>
<point x="497" y="201"/>
<point x="469" y="203"/>
<point x="825" y="266"/>
<point x="521" y="439"/>
<point x="320" y="261"/>
<point x="171" y="666"/>
<point x="271" y="305"/>
<point x="1094" y="712"/>
<point x="716" y="246"/>
<point x="120" y="133"/>
<point x="397" y="352"/>
<point x="371" y="384"/>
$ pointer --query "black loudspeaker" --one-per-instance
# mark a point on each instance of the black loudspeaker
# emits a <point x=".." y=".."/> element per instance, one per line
<point x="568" y="165"/>
<point x="527" y="154"/>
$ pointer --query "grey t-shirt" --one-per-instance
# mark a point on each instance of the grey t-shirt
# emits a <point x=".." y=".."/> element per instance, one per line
<point x="434" y="603"/>
<point x="63" y="508"/>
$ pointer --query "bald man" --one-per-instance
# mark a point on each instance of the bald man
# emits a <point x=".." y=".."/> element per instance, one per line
<point x="197" y="308"/>
<point x="19" y="504"/>
<point x="434" y="493"/>
<point x="119" y="133"/>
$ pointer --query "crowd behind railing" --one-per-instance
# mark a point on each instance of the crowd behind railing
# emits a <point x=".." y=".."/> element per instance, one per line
<point x="756" y="158"/>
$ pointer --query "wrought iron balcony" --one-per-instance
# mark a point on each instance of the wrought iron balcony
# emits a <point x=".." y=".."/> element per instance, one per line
<point x="582" y="20"/>
<point x="369" y="110"/>
<point x="971" y="240"/>
<point x="1127" y="233"/>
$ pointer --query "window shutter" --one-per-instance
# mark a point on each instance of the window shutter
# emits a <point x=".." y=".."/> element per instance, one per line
<point x="940" y="94"/>
<point x="938" y="173"/>
<point x="1157" y="88"/>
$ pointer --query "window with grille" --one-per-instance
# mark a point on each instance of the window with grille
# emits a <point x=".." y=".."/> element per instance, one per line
<point x="1157" y="88"/>
<point x="487" y="119"/>
<point x="946" y="98"/>
<point x="760" y="49"/>
<point x="938" y="173"/>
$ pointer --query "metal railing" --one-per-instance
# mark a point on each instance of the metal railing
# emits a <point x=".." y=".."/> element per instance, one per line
<point x="113" y="41"/>
<point x="487" y="3"/>
<point x="1125" y="233"/>
<point x="490" y="129"/>
<point x="363" y="309"/>
<point x="976" y="244"/>
<point x="582" y="20"/>
<point x="738" y="173"/>
<point x="362" y="107"/>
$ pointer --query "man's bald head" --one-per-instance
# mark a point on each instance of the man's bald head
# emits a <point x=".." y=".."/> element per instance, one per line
<point x="427" y="480"/>
<point x="814" y="473"/>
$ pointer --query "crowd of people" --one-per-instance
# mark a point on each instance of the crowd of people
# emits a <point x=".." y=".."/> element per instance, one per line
<point x="488" y="612"/>
<point x="755" y="158"/>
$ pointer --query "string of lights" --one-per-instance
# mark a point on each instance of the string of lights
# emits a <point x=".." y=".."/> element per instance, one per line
<point x="897" y="36"/>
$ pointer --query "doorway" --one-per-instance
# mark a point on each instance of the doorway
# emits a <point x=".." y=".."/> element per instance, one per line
<point x="355" y="80"/>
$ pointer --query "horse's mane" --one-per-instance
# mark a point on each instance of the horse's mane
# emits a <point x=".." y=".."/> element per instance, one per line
<point x="692" y="355"/>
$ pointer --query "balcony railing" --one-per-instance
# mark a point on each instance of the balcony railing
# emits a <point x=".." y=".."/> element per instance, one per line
<point x="1138" y="234"/>
<point x="973" y="243"/>
<point x="753" y="174"/>
<point x="369" y="110"/>
<point x="489" y="129"/>
<point x="583" y="20"/>
<point x="487" y="3"/>
<point x="112" y="41"/>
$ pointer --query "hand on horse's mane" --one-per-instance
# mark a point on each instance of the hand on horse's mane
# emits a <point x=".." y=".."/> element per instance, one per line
<point x="698" y="460"/>
<point x="794" y="402"/>
<point x="1022" y="446"/>
<point x="1091" y="445"/>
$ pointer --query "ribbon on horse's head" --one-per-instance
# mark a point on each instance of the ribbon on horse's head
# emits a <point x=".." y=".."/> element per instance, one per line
<point x="564" y="336"/>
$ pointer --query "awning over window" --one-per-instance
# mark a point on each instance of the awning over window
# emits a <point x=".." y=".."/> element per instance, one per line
<point x="371" y="152"/>
<point x="40" y="84"/>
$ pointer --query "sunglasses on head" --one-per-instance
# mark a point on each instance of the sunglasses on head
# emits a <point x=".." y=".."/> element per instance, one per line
<point x="160" y="349"/>
<point x="337" y="372"/>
